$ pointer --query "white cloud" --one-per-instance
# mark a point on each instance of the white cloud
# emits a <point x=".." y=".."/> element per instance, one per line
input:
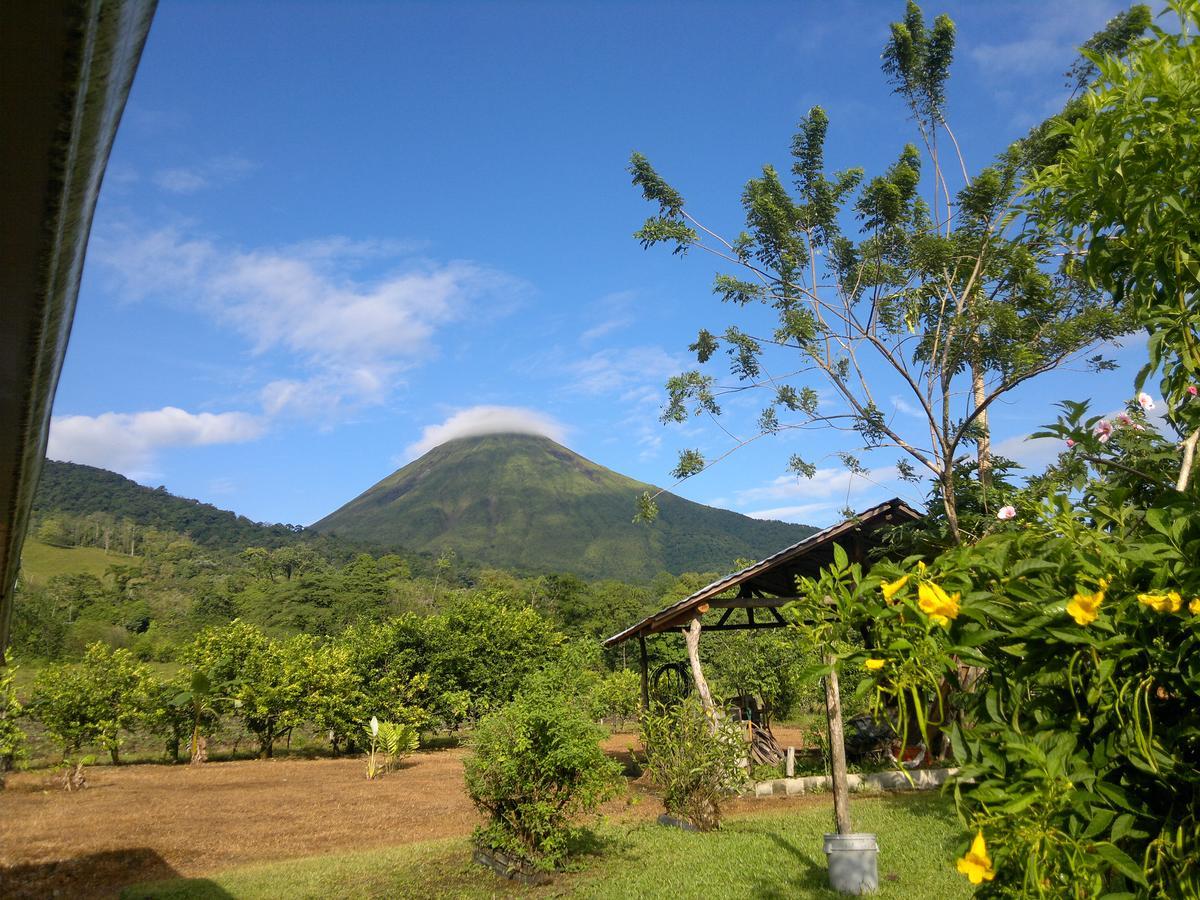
<point x="824" y="484"/>
<point x="821" y="499"/>
<point x="129" y="442"/>
<point x="216" y="172"/>
<point x="1050" y="45"/>
<point x="350" y="334"/>
<point x="487" y="420"/>
<point x="606" y="327"/>
<point x="803" y="513"/>
<point x="1034" y="454"/>
<point x="619" y="370"/>
<point x="616" y="315"/>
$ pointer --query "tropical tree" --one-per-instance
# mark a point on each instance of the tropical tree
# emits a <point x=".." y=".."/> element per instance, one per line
<point x="1080" y="741"/>
<point x="96" y="699"/>
<point x="936" y="299"/>
<point x="265" y="683"/>
<point x="1120" y="196"/>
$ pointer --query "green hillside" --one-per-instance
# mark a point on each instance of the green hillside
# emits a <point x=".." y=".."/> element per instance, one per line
<point x="87" y="491"/>
<point x="526" y="503"/>
<point x="41" y="562"/>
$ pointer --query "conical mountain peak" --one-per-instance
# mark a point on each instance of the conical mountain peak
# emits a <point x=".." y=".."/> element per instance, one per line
<point x="527" y="503"/>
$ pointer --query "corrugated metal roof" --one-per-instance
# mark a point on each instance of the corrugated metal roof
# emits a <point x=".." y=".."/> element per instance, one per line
<point x="869" y="520"/>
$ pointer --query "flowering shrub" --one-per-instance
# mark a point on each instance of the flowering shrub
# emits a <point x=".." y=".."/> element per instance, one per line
<point x="1080" y="740"/>
<point x="1072" y="633"/>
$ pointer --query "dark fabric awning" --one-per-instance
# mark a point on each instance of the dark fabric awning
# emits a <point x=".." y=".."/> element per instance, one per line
<point x="65" y="71"/>
<point x="769" y="582"/>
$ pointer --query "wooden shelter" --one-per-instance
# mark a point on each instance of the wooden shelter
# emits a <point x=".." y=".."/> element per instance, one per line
<point x="761" y="589"/>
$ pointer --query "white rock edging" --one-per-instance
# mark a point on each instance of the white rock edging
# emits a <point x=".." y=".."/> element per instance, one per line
<point x="922" y="780"/>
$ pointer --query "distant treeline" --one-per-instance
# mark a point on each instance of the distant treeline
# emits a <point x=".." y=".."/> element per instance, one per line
<point x="104" y="507"/>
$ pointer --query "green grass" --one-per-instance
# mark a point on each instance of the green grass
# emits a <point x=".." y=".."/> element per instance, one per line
<point x="775" y="854"/>
<point x="40" y="562"/>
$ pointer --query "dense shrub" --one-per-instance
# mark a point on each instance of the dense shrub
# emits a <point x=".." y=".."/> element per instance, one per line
<point x="696" y="762"/>
<point x="619" y="695"/>
<point x="536" y="766"/>
<point x="12" y="738"/>
<point x="94" y="700"/>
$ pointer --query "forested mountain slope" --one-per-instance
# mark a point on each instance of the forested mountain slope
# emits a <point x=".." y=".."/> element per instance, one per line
<point x="526" y="503"/>
<point x="85" y="491"/>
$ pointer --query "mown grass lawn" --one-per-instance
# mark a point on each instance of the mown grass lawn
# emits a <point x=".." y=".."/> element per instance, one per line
<point x="767" y="855"/>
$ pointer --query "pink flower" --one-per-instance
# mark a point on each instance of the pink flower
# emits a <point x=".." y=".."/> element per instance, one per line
<point x="1070" y="443"/>
<point x="1193" y="390"/>
<point x="1145" y="401"/>
<point x="1006" y="512"/>
<point x="1103" y="430"/>
<point x="1123" y="419"/>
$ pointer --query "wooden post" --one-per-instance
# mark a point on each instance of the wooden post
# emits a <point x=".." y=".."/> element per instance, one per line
<point x="692" y="639"/>
<point x="645" y="670"/>
<point x="837" y="749"/>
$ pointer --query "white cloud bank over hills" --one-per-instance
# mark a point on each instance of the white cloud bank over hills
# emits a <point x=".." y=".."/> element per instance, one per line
<point x="478" y="420"/>
<point x="128" y="442"/>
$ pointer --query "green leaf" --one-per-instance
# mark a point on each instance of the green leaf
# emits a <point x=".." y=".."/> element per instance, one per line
<point x="1122" y="863"/>
<point x="840" y="560"/>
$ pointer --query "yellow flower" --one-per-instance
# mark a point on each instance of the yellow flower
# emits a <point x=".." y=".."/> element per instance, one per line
<point x="1084" y="608"/>
<point x="1194" y="606"/>
<point x="977" y="865"/>
<point x="1168" y="602"/>
<point x="892" y="588"/>
<point x="936" y="603"/>
<point x="920" y="567"/>
<point x="876" y="664"/>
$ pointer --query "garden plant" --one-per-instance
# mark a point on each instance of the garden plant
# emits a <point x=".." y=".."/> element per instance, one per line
<point x="536" y="766"/>
<point x="697" y="762"/>
<point x="1079" y="729"/>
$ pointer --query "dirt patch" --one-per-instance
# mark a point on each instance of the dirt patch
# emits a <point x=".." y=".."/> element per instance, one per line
<point x="141" y="822"/>
<point x="146" y="822"/>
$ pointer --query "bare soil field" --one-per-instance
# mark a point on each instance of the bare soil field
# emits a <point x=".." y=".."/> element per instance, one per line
<point x="144" y="822"/>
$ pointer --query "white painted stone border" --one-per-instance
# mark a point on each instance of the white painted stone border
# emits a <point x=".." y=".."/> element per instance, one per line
<point x="922" y="780"/>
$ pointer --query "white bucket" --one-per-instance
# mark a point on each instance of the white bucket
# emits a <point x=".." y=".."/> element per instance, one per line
<point x="853" y="862"/>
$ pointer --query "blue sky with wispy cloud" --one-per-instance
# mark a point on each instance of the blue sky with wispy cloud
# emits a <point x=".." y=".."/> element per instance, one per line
<point x="333" y="236"/>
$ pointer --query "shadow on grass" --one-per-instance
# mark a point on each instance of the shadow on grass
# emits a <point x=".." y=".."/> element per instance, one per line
<point x="93" y="875"/>
<point x="442" y="741"/>
<point x="182" y="888"/>
<point x="811" y="878"/>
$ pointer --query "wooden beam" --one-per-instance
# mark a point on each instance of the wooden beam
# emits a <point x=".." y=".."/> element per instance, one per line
<point x="644" y="668"/>
<point x="750" y="616"/>
<point x="724" y="617"/>
<point x="747" y="602"/>
<point x="737" y="626"/>
<point x="778" y="618"/>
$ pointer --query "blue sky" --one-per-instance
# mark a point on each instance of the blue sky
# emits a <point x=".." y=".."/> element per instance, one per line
<point x="332" y="235"/>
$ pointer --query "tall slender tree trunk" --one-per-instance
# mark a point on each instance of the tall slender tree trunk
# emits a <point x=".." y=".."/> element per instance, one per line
<point x="692" y="639"/>
<point x="949" y="501"/>
<point x="837" y="749"/>
<point x="984" y="449"/>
